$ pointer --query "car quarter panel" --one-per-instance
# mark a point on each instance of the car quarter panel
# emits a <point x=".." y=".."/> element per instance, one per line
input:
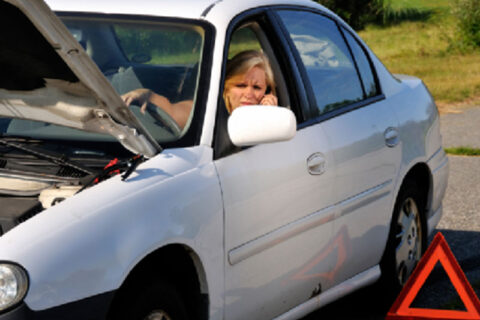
<point x="415" y="108"/>
<point x="87" y="244"/>
<point x="419" y="132"/>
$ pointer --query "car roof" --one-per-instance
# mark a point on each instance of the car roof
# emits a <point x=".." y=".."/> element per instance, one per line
<point x="193" y="9"/>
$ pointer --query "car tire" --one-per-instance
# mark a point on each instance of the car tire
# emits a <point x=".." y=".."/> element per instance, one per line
<point x="155" y="301"/>
<point x="407" y="238"/>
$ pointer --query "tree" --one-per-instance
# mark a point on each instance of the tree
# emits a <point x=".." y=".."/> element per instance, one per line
<point x="468" y="16"/>
<point x="356" y="12"/>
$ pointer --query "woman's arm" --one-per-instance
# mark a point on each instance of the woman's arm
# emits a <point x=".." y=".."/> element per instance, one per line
<point x="179" y="111"/>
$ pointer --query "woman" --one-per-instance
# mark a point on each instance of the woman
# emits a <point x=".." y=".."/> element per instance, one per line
<point x="248" y="78"/>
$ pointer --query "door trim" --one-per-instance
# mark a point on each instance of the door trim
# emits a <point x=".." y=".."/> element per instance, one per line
<point x="281" y="234"/>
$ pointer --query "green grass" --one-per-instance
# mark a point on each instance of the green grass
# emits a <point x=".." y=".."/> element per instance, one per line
<point x="420" y="4"/>
<point x="238" y="47"/>
<point x="463" y="151"/>
<point x="180" y="58"/>
<point x="421" y="46"/>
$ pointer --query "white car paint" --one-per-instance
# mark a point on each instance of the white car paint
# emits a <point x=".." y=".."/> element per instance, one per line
<point x="85" y="229"/>
<point x="260" y="246"/>
<point x="254" y="125"/>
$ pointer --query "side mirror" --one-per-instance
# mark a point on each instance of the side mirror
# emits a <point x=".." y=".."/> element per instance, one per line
<point x="251" y="125"/>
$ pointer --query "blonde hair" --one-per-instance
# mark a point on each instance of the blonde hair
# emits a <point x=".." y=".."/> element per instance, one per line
<point x="243" y="62"/>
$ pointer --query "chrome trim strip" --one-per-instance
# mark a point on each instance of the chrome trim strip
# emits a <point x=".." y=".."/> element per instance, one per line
<point x="360" y="280"/>
<point x="281" y="234"/>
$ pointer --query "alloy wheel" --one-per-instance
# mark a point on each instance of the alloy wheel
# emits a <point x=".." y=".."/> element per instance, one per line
<point x="409" y="239"/>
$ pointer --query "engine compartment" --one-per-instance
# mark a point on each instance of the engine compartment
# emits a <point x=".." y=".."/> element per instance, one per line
<point x="22" y="197"/>
<point x="16" y="210"/>
<point x="33" y="179"/>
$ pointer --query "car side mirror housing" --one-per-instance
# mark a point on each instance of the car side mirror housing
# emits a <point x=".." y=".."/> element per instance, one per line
<point x="252" y="125"/>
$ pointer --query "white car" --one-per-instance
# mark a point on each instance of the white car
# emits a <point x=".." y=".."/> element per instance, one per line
<point x="108" y="212"/>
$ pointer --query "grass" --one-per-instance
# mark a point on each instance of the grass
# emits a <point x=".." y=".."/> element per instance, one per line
<point x="463" y="151"/>
<point x="179" y="58"/>
<point x="420" y="4"/>
<point x="420" y="45"/>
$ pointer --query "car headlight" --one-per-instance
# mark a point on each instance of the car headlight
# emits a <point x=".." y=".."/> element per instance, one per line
<point x="13" y="285"/>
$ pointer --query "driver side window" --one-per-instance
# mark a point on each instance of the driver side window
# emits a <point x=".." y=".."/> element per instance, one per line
<point x="250" y="41"/>
<point x="251" y="37"/>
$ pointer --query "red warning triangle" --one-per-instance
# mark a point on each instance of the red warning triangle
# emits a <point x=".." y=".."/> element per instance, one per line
<point x="439" y="251"/>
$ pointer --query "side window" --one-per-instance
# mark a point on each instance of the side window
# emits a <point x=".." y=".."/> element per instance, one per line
<point x="364" y="66"/>
<point x="243" y="39"/>
<point x="250" y="36"/>
<point x="326" y="57"/>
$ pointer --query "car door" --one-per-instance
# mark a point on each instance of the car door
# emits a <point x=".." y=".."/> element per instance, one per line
<point x="361" y="129"/>
<point x="278" y="206"/>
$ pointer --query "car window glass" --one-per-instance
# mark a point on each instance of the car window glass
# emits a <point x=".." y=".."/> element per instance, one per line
<point x="246" y="37"/>
<point x="164" y="57"/>
<point x="250" y="36"/>
<point x="243" y="39"/>
<point x="326" y="58"/>
<point x="363" y="64"/>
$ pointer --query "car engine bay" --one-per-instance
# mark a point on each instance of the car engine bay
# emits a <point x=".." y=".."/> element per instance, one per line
<point x="32" y="181"/>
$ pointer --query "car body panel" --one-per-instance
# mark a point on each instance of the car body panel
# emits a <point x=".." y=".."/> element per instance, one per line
<point x="269" y="239"/>
<point x="73" y="232"/>
<point x="365" y="178"/>
<point x="267" y="220"/>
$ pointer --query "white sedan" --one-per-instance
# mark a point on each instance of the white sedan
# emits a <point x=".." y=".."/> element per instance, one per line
<point x="111" y="211"/>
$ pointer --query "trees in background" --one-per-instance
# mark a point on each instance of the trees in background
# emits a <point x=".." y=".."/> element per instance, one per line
<point x="467" y="13"/>
<point x="356" y="13"/>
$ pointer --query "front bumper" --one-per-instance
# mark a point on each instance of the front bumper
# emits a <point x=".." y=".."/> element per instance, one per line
<point x="93" y="308"/>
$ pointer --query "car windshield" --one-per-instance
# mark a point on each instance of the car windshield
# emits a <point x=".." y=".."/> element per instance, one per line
<point x="163" y="57"/>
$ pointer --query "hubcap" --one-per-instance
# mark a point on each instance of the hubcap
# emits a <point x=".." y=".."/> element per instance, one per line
<point x="409" y="240"/>
<point x="158" y="315"/>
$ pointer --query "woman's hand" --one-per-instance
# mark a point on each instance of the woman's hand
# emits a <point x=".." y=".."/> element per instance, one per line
<point x="269" y="100"/>
<point x="140" y="96"/>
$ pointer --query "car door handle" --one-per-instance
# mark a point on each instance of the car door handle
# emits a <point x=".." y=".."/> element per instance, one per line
<point x="316" y="163"/>
<point x="391" y="137"/>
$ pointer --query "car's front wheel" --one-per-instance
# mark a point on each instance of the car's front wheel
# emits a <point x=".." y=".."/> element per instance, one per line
<point x="158" y="300"/>
<point x="407" y="239"/>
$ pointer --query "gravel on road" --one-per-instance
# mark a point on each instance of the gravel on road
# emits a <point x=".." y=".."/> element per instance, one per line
<point x="461" y="129"/>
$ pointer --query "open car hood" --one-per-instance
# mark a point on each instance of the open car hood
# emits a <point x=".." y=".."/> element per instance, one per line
<point x="47" y="76"/>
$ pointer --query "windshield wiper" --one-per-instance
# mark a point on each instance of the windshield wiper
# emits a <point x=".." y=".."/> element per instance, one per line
<point x="17" y="143"/>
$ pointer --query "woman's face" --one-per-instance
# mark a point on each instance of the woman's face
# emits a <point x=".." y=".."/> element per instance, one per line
<point x="247" y="89"/>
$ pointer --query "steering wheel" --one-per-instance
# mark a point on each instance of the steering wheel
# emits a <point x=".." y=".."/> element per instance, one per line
<point x="164" y="119"/>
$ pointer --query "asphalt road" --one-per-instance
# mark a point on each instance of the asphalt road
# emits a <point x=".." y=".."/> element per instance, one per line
<point x="460" y="226"/>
